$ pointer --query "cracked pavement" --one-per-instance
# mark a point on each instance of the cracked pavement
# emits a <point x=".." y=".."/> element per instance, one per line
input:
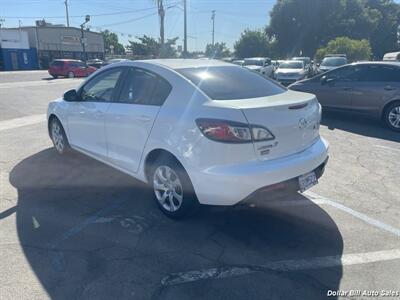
<point x="73" y="228"/>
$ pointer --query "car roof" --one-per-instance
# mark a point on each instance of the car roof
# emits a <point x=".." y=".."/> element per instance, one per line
<point x="292" y="60"/>
<point x="65" y="59"/>
<point x="390" y="63"/>
<point x="257" y="58"/>
<point x="180" y="63"/>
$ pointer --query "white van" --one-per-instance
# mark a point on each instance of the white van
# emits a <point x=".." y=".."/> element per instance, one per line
<point x="392" y="56"/>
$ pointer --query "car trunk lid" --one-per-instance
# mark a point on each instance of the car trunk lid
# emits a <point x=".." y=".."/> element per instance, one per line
<point x="292" y="117"/>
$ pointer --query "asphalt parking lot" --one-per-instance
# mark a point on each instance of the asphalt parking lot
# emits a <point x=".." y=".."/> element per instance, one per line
<point x="73" y="228"/>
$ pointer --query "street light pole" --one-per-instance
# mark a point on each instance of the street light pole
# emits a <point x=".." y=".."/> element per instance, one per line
<point x="213" y="21"/>
<point x="184" y="30"/>
<point x="66" y="11"/>
<point x="87" y="19"/>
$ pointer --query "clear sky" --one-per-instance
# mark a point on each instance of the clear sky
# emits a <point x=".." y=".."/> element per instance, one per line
<point x="138" y="17"/>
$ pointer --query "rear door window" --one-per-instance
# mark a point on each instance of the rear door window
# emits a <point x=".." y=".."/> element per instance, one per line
<point x="57" y="63"/>
<point x="378" y="73"/>
<point x="144" y="87"/>
<point x="231" y="82"/>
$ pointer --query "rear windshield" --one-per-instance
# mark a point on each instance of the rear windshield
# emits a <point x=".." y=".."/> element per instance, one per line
<point x="231" y="82"/>
<point x="291" y="65"/>
<point x="333" y="61"/>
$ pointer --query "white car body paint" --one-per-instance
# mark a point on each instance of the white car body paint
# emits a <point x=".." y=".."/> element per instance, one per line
<point x="122" y="135"/>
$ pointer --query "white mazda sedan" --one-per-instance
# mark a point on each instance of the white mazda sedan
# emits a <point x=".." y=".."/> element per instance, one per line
<point x="197" y="131"/>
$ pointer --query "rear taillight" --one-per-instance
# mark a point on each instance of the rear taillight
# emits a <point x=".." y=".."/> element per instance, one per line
<point x="233" y="132"/>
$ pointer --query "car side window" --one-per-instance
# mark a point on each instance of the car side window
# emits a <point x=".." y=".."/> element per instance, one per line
<point x="79" y="64"/>
<point x="382" y="74"/>
<point x="101" y="88"/>
<point x="143" y="87"/>
<point x="346" y="74"/>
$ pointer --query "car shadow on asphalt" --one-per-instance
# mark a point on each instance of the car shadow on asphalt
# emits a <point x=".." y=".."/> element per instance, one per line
<point x="91" y="232"/>
<point x="358" y="124"/>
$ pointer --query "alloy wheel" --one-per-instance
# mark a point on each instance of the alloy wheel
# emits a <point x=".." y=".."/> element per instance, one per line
<point x="57" y="137"/>
<point x="168" y="188"/>
<point x="394" y="117"/>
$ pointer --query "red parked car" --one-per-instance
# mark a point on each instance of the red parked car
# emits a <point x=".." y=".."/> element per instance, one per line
<point x="70" y="68"/>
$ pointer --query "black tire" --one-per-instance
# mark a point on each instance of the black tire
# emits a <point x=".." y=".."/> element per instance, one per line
<point x="58" y="136"/>
<point x="189" y="204"/>
<point x="55" y="76"/>
<point x="388" y="116"/>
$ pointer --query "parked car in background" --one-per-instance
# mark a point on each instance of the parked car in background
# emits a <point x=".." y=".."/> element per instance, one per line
<point x="371" y="88"/>
<point x="307" y="64"/>
<point x="95" y="63"/>
<point x="238" y="62"/>
<point x="70" y="68"/>
<point x="331" y="62"/>
<point x="392" y="56"/>
<point x="275" y="63"/>
<point x="263" y="65"/>
<point x="126" y="115"/>
<point x="290" y="71"/>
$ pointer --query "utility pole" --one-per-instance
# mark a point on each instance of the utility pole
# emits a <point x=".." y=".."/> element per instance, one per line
<point x="184" y="30"/>
<point x="161" y="13"/>
<point x="83" y="40"/>
<point x="66" y="11"/>
<point x="398" y="35"/>
<point x="213" y="21"/>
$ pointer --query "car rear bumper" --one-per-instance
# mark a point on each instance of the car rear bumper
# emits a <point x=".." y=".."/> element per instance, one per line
<point x="228" y="185"/>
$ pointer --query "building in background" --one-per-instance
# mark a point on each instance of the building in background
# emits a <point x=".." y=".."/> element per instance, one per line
<point x="57" y="41"/>
<point x="45" y="42"/>
<point x="15" y="51"/>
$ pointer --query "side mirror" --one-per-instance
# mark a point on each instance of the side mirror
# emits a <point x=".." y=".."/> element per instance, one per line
<point x="70" y="96"/>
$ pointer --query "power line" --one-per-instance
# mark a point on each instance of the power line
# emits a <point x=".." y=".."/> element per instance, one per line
<point x="130" y="20"/>
<point x="82" y="16"/>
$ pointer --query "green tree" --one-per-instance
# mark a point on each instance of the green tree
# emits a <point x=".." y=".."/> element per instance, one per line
<point x="151" y="48"/>
<point x="218" y="50"/>
<point x="253" y="43"/>
<point x="383" y="38"/>
<point x="302" y="26"/>
<point x="354" y="49"/>
<point x="110" y="38"/>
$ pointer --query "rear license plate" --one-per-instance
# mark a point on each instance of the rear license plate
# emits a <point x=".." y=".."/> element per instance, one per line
<point x="307" y="180"/>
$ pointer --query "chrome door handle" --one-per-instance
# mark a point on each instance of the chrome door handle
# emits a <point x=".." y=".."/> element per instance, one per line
<point x="347" y="88"/>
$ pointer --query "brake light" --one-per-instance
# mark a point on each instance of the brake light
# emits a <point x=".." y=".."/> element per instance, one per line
<point x="233" y="132"/>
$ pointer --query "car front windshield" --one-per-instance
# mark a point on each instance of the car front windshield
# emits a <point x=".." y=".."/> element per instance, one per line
<point x="230" y="82"/>
<point x="291" y="65"/>
<point x="333" y="61"/>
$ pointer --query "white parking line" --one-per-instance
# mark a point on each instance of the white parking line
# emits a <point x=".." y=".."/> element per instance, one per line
<point x="297" y="264"/>
<point x="23" y="121"/>
<point x="282" y="266"/>
<point x="8" y="85"/>
<point x="355" y="213"/>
